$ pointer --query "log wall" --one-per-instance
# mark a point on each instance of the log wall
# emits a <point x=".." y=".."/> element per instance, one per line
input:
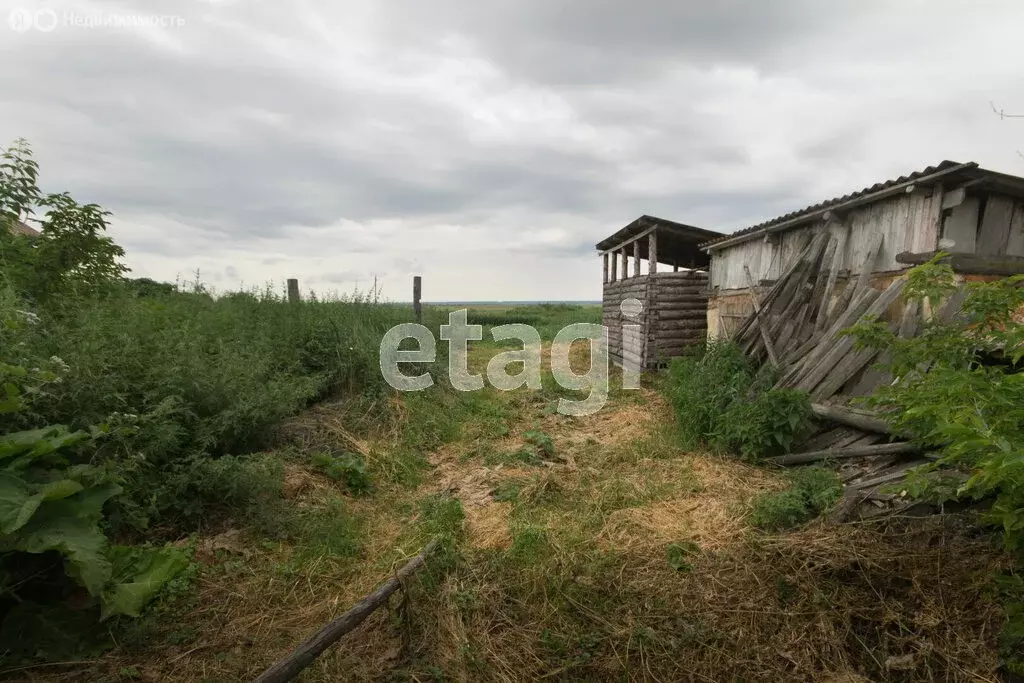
<point x="674" y="316"/>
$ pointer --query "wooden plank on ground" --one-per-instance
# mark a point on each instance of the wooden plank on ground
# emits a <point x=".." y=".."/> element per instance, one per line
<point x="852" y="417"/>
<point x="848" y="452"/>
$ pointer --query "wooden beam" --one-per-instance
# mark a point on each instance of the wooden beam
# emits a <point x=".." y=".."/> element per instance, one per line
<point x="652" y="252"/>
<point x="625" y="243"/>
<point x="604" y="258"/>
<point x="970" y="263"/>
<point x="636" y="258"/>
<point x="848" y="452"/>
<point x="417" y="292"/>
<point x="954" y="198"/>
<point x="615" y="266"/>
<point x="625" y="264"/>
<point x="757" y="318"/>
<point x="293" y="290"/>
<point x="851" y="417"/>
<point x="311" y="648"/>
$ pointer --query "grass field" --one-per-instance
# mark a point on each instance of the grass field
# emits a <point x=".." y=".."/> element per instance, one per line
<point x="591" y="548"/>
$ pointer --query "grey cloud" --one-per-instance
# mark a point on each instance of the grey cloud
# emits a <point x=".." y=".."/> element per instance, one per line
<point x="391" y="133"/>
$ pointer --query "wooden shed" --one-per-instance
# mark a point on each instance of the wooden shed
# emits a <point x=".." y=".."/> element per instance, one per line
<point x="975" y="214"/>
<point x="658" y="263"/>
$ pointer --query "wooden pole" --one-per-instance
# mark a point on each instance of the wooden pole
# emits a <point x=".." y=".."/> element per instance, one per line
<point x="652" y="252"/>
<point x="293" y="290"/>
<point x="761" y="326"/>
<point x="625" y="264"/>
<point x="417" y="290"/>
<point x="897" y="448"/>
<point x="636" y="258"/>
<point x="311" y="648"/>
<point x="604" y="258"/>
<point x="614" y="260"/>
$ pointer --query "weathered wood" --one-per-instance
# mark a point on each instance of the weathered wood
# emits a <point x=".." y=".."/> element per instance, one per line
<point x="995" y="226"/>
<point x="604" y="258"/>
<point x="1015" y="242"/>
<point x="417" y="290"/>
<point x="846" y="507"/>
<point x="833" y="437"/>
<point x="839" y="347"/>
<point x="848" y="452"/>
<point x="311" y="648"/>
<point x="615" y="267"/>
<point x="864" y="279"/>
<point x="293" y="290"/>
<point x="636" y="258"/>
<point x="852" y="417"/>
<point x="954" y="198"/>
<point x="625" y="264"/>
<point x="833" y="275"/>
<point x="848" y="366"/>
<point x="826" y="342"/>
<point x="652" y="252"/>
<point x="961" y="226"/>
<point x="890" y="477"/>
<point x="970" y="263"/>
<point x="761" y="325"/>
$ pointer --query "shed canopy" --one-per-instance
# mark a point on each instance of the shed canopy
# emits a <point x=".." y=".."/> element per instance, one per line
<point x="678" y="243"/>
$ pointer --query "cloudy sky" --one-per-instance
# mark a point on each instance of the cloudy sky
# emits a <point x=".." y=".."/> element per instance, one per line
<point x="486" y="144"/>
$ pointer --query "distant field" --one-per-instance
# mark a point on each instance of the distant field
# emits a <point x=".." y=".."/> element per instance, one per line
<point x="547" y="318"/>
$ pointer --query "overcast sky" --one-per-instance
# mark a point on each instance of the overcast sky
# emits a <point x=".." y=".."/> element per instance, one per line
<point x="487" y="144"/>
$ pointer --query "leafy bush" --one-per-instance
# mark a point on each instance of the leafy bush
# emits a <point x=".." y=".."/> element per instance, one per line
<point x="51" y="508"/>
<point x="961" y="390"/>
<point x="348" y="468"/>
<point x="812" y="491"/>
<point x="721" y="400"/>
<point x="768" y="425"/>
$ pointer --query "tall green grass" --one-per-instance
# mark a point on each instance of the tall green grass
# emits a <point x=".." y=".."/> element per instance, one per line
<point x="182" y="379"/>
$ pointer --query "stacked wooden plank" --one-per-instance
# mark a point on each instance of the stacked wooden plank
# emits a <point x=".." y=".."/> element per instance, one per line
<point x="797" y="324"/>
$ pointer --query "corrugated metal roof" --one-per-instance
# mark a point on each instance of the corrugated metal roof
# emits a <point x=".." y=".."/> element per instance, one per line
<point x="922" y="175"/>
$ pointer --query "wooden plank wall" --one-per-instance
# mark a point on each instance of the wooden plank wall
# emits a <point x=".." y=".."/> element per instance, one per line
<point x="906" y="222"/>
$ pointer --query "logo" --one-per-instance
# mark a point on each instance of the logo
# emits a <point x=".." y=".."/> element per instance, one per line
<point x="21" y="20"/>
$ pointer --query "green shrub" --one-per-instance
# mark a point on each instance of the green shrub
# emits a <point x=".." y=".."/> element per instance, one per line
<point x="961" y="389"/>
<point x="769" y="424"/>
<point x="720" y="400"/>
<point x="812" y="491"/>
<point x="348" y="468"/>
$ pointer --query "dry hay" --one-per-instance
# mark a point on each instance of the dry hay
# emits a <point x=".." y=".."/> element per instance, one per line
<point x="910" y="601"/>
<point x="487" y="526"/>
<point x="710" y="514"/>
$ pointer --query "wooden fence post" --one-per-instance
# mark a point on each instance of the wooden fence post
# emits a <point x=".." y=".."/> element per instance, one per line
<point x="293" y="290"/>
<point x="417" y="290"/>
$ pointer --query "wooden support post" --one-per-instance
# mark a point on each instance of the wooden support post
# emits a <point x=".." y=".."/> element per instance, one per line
<point x="625" y="264"/>
<point x="652" y="252"/>
<point x="293" y="290"/>
<point x="675" y="266"/>
<point x="636" y="258"/>
<point x="604" y="279"/>
<point x="614" y="260"/>
<point x="417" y="291"/>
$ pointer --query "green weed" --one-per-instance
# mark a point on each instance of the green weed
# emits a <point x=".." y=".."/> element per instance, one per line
<point x="813" y="490"/>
